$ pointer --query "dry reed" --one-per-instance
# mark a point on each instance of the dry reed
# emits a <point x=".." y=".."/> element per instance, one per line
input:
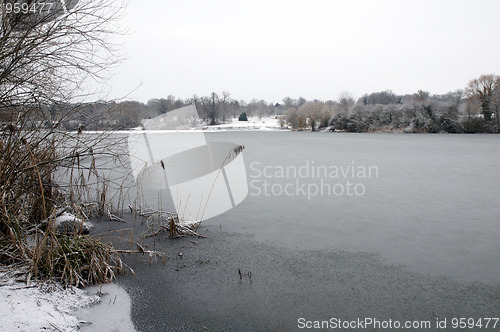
<point x="29" y="194"/>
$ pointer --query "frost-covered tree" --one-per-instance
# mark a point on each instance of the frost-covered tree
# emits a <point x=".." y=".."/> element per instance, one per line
<point x="313" y="112"/>
<point x="484" y="92"/>
<point x="346" y="101"/>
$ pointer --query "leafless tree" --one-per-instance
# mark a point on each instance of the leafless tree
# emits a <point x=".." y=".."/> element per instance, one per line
<point x="47" y="54"/>
<point x="209" y="108"/>
<point x="317" y="114"/>
<point x="421" y="96"/>
<point x="484" y="91"/>
<point x="225" y="100"/>
<point x="346" y="101"/>
<point x="289" y="102"/>
<point x="47" y="57"/>
<point x="48" y="51"/>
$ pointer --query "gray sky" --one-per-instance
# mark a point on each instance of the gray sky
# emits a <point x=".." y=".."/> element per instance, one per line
<point x="314" y="49"/>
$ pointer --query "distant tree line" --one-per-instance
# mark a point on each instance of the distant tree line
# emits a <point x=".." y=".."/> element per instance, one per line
<point x="213" y="109"/>
<point x="473" y="110"/>
<point x="476" y="109"/>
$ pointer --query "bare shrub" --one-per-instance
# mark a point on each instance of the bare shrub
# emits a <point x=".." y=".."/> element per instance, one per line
<point x="44" y="62"/>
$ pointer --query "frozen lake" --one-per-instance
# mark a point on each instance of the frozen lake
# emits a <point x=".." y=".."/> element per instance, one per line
<point x="432" y="205"/>
<point x="391" y="226"/>
<point x="426" y="202"/>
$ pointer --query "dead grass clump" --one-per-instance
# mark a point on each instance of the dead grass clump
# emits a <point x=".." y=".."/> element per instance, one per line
<point x="158" y="222"/>
<point x="76" y="260"/>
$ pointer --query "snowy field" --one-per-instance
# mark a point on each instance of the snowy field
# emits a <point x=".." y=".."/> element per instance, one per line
<point x="253" y="123"/>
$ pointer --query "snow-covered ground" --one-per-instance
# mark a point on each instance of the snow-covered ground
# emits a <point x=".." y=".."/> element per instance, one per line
<point x="49" y="307"/>
<point x="253" y="123"/>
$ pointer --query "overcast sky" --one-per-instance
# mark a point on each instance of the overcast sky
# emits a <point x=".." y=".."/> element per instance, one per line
<point x="315" y="49"/>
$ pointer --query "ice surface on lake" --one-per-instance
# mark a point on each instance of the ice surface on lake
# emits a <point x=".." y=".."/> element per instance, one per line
<point x="433" y="207"/>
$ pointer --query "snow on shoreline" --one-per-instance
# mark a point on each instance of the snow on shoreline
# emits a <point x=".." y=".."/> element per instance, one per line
<point x="40" y="306"/>
<point x="253" y="123"/>
<point x="47" y="306"/>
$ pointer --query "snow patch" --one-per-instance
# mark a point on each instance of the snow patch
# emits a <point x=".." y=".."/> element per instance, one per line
<point x="253" y="123"/>
<point x="40" y="306"/>
<point x="113" y="313"/>
<point x="68" y="223"/>
<point x="48" y="307"/>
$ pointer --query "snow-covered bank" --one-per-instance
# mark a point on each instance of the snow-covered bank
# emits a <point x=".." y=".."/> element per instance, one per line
<point x="49" y="307"/>
<point x="253" y="123"/>
<point x="39" y="306"/>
